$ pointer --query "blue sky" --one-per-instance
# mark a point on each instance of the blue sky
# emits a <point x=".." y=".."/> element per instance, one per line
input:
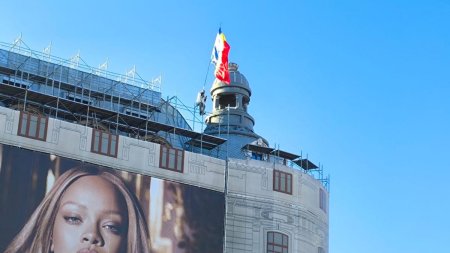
<point x="360" y="86"/>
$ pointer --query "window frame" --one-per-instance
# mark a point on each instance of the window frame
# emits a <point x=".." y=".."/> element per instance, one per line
<point x="99" y="145"/>
<point x="178" y="155"/>
<point x="27" y="134"/>
<point x="286" y="176"/>
<point x="274" y="244"/>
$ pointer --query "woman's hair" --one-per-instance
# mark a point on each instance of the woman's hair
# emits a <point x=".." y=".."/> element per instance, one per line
<point x="35" y="237"/>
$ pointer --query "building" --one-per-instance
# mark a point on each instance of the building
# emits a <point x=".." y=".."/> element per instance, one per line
<point x="223" y="190"/>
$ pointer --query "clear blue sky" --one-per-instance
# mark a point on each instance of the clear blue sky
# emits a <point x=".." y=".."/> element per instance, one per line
<point x="361" y="86"/>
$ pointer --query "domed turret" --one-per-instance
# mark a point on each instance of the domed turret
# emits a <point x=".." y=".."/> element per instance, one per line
<point x="236" y="122"/>
<point x="237" y="81"/>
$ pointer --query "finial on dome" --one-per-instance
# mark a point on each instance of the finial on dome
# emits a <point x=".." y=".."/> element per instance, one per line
<point x="233" y="66"/>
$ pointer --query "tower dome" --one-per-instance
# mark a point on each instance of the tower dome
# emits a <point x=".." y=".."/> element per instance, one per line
<point x="229" y="113"/>
<point x="237" y="80"/>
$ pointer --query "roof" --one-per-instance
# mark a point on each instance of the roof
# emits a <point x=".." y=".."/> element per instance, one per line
<point x="285" y="155"/>
<point x="306" y="164"/>
<point x="271" y="151"/>
<point x="259" y="149"/>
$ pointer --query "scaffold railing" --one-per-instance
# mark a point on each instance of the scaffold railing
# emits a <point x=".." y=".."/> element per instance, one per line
<point x="131" y="77"/>
<point x="316" y="172"/>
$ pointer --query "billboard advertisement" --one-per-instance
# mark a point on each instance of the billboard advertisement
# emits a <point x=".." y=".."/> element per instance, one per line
<point x="55" y="204"/>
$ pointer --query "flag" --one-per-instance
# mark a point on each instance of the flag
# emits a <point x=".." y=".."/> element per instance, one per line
<point x="219" y="57"/>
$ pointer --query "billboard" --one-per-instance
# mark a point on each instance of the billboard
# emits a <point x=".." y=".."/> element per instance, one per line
<point x="55" y="204"/>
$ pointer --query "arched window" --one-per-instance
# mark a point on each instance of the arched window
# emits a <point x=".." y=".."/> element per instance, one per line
<point x="277" y="243"/>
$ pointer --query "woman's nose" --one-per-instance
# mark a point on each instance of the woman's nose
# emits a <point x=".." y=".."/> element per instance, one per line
<point x="93" y="237"/>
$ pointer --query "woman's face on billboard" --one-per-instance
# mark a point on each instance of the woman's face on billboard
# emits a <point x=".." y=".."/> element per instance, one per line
<point x="92" y="218"/>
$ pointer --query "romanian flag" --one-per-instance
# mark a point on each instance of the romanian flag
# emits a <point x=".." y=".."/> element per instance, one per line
<point x="219" y="57"/>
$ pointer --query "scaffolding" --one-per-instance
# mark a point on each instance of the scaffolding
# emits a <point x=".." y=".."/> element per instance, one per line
<point x="71" y="90"/>
<point x="299" y="162"/>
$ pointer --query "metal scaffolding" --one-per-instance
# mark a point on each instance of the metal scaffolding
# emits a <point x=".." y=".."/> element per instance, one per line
<point x="71" y="90"/>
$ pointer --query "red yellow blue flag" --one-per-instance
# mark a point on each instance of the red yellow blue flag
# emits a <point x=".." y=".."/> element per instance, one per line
<point x="219" y="57"/>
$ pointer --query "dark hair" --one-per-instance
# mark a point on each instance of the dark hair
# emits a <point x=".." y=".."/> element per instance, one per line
<point x="35" y="237"/>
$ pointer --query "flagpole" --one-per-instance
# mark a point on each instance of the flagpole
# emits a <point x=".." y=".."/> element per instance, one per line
<point x="228" y="127"/>
<point x="226" y="184"/>
<point x="207" y="72"/>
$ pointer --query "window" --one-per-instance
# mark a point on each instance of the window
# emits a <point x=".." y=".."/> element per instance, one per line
<point x="33" y="126"/>
<point x="321" y="250"/>
<point x="257" y="156"/>
<point x="104" y="143"/>
<point x="227" y="100"/>
<point x="171" y="159"/>
<point x="322" y="200"/>
<point x="277" y="243"/>
<point x="282" y="181"/>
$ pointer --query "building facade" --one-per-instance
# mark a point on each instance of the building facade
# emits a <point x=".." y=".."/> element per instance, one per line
<point x="254" y="198"/>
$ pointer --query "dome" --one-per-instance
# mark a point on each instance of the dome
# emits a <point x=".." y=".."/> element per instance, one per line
<point x="230" y="113"/>
<point x="237" y="80"/>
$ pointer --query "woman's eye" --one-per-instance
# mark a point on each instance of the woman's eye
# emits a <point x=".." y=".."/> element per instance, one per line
<point x="72" y="220"/>
<point x="116" y="229"/>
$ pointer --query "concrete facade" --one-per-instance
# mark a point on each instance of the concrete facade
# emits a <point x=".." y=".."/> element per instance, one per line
<point x="254" y="209"/>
